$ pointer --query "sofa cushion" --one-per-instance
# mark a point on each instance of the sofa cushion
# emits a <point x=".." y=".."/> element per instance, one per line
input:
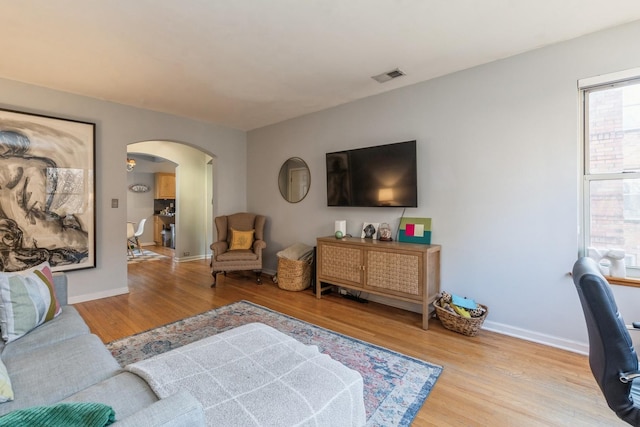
<point x="27" y="300"/>
<point x="6" y="391"/>
<point x="68" y="324"/>
<point x="49" y="374"/>
<point x="125" y="392"/>
<point x="178" y="410"/>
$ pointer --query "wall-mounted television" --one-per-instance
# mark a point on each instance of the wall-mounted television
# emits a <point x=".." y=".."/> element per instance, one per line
<point x="384" y="175"/>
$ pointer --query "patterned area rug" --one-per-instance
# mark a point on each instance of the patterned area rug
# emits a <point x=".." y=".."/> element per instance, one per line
<point x="395" y="385"/>
<point x="146" y="255"/>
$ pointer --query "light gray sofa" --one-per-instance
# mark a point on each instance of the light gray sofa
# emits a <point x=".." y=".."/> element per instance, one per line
<point x="61" y="361"/>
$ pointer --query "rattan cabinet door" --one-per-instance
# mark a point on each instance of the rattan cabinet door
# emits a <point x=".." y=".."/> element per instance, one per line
<point x="398" y="273"/>
<point x="341" y="263"/>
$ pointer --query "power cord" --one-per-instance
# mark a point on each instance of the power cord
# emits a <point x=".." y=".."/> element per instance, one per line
<point x="400" y="222"/>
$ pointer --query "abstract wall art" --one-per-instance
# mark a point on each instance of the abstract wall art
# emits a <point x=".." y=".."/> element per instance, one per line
<point x="415" y="230"/>
<point x="47" y="192"/>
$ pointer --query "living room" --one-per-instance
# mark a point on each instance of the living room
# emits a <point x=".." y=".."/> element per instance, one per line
<point x="499" y="157"/>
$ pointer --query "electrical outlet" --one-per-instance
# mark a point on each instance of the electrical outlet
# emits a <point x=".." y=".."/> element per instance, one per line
<point x="186" y="253"/>
<point x="114" y="203"/>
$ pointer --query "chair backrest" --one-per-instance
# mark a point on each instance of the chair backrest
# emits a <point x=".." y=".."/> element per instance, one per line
<point x="140" y="229"/>
<point x="611" y="350"/>
<point x="130" y="230"/>
<point x="242" y="221"/>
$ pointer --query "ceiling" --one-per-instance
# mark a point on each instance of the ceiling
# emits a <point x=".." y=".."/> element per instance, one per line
<point x="250" y="63"/>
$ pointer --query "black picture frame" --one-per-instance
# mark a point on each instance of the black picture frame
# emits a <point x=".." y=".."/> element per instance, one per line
<point x="47" y="192"/>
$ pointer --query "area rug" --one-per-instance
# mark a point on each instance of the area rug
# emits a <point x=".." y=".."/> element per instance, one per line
<point x="146" y="255"/>
<point x="395" y="385"/>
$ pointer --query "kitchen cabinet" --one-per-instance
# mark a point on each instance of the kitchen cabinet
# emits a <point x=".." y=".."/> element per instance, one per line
<point x="165" y="185"/>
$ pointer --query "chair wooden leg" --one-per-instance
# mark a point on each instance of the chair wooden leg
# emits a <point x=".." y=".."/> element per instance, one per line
<point x="213" y="285"/>
<point x="259" y="277"/>
<point x="138" y="244"/>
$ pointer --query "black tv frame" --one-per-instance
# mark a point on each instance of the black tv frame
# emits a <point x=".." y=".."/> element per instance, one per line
<point x="360" y="177"/>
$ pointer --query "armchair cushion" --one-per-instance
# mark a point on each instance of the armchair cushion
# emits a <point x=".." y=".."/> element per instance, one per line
<point x="241" y="240"/>
<point x="238" y="255"/>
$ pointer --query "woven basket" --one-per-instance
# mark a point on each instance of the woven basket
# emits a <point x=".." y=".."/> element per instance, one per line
<point x="293" y="274"/>
<point x="462" y="325"/>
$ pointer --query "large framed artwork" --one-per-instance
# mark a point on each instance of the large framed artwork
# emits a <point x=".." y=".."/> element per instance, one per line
<point x="47" y="192"/>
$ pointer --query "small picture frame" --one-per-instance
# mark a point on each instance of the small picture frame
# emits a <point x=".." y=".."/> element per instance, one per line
<point x="370" y="230"/>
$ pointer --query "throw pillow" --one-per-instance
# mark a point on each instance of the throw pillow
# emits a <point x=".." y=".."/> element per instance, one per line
<point x="68" y="414"/>
<point x="45" y="270"/>
<point x="6" y="392"/>
<point x="241" y="239"/>
<point x="27" y="300"/>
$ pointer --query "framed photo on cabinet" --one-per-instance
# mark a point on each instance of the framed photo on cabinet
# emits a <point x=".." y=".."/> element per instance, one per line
<point x="370" y="230"/>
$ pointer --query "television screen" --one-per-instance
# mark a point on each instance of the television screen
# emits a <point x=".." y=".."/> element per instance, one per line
<point x="385" y="175"/>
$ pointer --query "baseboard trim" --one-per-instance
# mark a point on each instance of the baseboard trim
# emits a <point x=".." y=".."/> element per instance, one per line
<point x="98" y="295"/>
<point x="527" y="335"/>
<point x="189" y="258"/>
<point x="500" y="328"/>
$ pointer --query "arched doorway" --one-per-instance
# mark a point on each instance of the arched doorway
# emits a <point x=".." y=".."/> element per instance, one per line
<point x="193" y="206"/>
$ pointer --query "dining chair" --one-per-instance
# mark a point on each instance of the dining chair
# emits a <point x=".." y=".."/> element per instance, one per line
<point x="130" y="234"/>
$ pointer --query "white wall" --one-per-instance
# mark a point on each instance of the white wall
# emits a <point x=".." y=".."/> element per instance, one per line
<point x="117" y="126"/>
<point x="498" y="156"/>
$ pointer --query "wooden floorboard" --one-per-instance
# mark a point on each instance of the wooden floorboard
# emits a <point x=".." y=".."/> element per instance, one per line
<point x="488" y="380"/>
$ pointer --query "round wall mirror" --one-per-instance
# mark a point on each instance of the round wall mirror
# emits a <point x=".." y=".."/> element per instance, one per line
<point x="294" y="180"/>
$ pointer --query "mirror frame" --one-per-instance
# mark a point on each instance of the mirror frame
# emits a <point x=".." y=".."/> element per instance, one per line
<point x="283" y="177"/>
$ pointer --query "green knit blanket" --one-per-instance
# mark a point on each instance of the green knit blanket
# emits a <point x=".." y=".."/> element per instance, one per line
<point x="82" y="414"/>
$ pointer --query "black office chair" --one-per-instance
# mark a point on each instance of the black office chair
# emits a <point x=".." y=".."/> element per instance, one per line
<point x="612" y="358"/>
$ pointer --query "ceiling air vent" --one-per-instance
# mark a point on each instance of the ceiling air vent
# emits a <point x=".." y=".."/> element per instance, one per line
<point x="389" y="75"/>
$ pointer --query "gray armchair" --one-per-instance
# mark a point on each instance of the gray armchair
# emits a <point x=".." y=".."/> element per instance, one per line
<point x="226" y="257"/>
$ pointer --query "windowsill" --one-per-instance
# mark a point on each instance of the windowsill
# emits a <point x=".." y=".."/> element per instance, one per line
<point x="624" y="281"/>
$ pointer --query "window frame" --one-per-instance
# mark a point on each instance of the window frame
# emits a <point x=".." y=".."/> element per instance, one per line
<point x="585" y="87"/>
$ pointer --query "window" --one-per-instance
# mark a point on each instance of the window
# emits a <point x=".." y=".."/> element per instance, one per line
<point x="611" y="134"/>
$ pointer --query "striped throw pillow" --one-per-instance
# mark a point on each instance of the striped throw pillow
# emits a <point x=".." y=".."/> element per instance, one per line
<point x="27" y="300"/>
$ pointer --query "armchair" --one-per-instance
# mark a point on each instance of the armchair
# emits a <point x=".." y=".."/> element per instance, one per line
<point x="233" y="251"/>
<point x="612" y="358"/>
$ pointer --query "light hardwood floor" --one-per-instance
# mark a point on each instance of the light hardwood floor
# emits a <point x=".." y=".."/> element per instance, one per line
<point x="488" y="380"/>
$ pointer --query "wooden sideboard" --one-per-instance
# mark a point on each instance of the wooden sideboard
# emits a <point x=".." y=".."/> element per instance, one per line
<point x="404" y="271"/>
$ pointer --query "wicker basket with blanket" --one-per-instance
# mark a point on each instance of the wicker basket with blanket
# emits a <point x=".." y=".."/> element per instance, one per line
<point x="294" y="267"/>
